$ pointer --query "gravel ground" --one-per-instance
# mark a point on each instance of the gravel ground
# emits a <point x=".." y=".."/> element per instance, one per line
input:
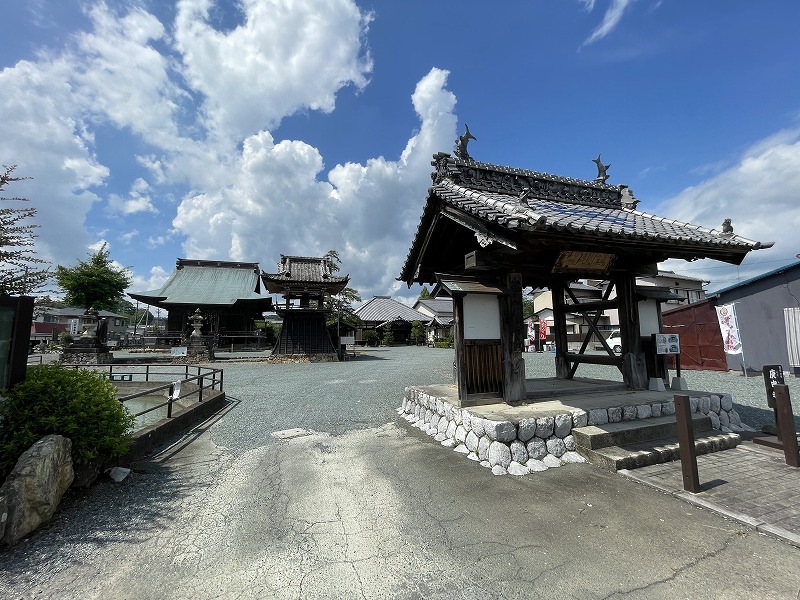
<point x="337" y="397"/>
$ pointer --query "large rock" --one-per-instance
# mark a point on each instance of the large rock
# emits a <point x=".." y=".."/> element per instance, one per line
<point x="499" y="454"/>
<point x="500" y="431"/>
<point x="537" y="448"/>
<point x="545" y="427"/>
<point x="580" y="418"/>
<point x="527" y="429"/>
<point x="483" y="448"/>
<point x="598" y="416"/>
<point x="563" y="425"/>
<point x="477" y="426"/>
<point x="472" y="441"/>
<point x="35" y="487"/>
<point x="556" y="446"/>
<point x="518" y="452"/>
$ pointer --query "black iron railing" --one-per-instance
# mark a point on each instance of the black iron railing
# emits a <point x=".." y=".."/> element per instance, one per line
<point x="206" y="380"/>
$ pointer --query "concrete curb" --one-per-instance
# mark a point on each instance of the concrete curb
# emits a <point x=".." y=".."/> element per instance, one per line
<point x="149" y="438"/>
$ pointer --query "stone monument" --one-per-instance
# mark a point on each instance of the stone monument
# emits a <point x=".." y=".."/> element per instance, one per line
<point x="88" y="349"/>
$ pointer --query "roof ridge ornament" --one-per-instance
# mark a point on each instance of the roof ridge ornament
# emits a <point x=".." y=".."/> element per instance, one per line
<point x="461" y="144"/>
<point x="727" y="227"/>
<point x="602" y="170"/>
<point x="626" y="197"/>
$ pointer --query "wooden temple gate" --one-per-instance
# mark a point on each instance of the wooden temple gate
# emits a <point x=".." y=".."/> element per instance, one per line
<point x="488" y="230"/>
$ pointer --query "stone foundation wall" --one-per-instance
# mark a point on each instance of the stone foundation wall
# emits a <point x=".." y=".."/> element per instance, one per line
<point x="86" y="358"/>
<point x="536" y="444"/>
<point x="302" y="358"/>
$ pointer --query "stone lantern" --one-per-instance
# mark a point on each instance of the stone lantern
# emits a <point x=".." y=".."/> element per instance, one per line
<point x="196" y="321"/>
<point x="89" y="322"/>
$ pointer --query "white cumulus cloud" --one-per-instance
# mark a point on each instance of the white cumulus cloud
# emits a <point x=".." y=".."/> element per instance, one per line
<point x="279" y="203"/>
<point x="285" y="57"/>
<point x="767" y="175"/>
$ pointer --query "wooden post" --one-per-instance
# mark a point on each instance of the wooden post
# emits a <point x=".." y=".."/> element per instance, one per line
<point x="683" y="416"/>
<point x="511" y="339"/>
<point x="783" y="408"/>
<point x="560" y="330"/>
<point x="634" y="369"/>
<point x="458" y="342"/>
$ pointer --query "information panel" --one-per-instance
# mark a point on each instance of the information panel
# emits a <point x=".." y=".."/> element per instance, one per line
<point x="667" y="343"/>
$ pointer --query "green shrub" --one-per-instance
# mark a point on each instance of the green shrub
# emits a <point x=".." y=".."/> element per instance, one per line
<point x="79" y="404"/>
<point x="369" y="337"/>
<point x="445" y="342"/>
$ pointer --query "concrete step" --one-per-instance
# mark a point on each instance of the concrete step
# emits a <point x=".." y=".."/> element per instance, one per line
<point x="641" y="454"/>
<point x="593" y="437"/>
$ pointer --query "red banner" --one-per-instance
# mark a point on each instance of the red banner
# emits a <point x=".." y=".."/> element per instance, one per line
<point x="542" y="329"/>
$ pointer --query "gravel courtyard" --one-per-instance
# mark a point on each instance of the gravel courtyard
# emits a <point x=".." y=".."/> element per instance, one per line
<point x="364" y="506"/>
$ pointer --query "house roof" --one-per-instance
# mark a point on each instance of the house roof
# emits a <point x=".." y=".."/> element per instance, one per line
<point x="204" y="283"/>
<point x="679" y="276"/>
<point x="525" y="213"/>
<point x="768" y="274"/>
<point x="304" y="272"/>
<point x="73" y="311"/>
<point x="438" y="306"/>
<point x="383" y="308"/>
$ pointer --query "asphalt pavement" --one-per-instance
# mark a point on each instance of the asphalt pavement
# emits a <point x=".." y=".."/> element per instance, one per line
<point x="308" y="485"/>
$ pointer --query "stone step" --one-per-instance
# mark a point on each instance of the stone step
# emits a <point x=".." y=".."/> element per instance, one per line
<point x="593" y="437"/>
<point x="641" y="454"/>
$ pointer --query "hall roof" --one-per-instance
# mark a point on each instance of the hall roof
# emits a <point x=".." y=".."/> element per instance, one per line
<point x="208" y="283"/>
<point x="383" y="308"/>
<point x="304" y="273"/>
<point x="519" y="218"/>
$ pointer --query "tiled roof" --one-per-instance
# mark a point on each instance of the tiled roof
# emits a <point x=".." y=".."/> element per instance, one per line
<point x="206" y="283"/>
<point x="304" y="269"/>
<point x="501" y="204"/>
<point x="600" y="221"/>
<point x="71" y="311"/>
<point x="439" y="306"/>
<point x="383" y="308"/>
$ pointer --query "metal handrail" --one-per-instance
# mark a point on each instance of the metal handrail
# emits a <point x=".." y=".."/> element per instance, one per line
<point x="203" y="373"/>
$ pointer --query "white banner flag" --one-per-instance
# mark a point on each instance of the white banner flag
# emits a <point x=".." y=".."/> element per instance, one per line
<point x="729" y="328"/>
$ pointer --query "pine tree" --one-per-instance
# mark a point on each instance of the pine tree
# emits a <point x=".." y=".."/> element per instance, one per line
<point x="21" y="271"/>
<point x="341" y="305"/>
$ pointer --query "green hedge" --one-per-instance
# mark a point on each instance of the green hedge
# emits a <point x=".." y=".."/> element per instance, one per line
<point x="79" y="404"/>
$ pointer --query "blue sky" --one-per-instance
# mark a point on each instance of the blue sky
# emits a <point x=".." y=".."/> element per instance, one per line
<point x="244" y="130"/>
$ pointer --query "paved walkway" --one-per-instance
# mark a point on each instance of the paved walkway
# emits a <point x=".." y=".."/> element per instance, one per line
<point x="751" y="484"/>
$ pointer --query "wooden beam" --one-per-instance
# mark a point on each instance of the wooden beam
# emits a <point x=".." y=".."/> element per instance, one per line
<point x="594" y="359"/>
<point x="597" y="305"/>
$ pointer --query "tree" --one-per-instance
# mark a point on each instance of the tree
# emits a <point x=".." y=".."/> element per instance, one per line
<point x="94" y="283"/>
<point x="21" y="271"/>
<point x="388" y="335"/>
<point x="425" y="294"/>
<point x="417" y="331"/>
<point x="341" y="305"/>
